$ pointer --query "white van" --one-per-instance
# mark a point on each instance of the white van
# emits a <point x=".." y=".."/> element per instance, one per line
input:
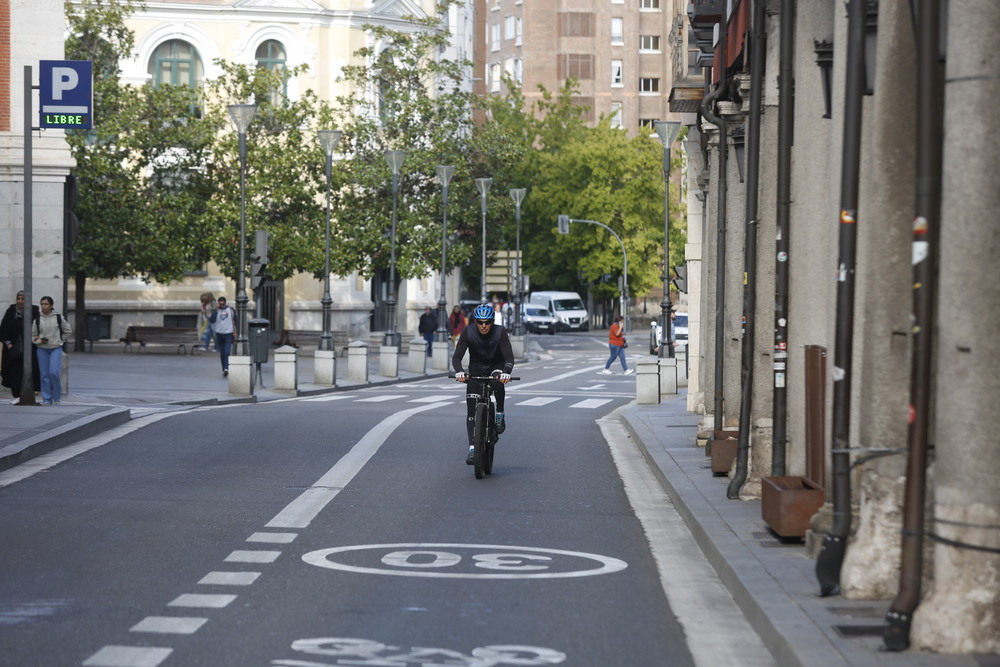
<point x="566" y="307"/>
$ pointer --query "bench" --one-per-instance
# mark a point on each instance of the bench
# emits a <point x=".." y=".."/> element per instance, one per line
<point x="181" y="337"/>
<point x="302" y="338"/>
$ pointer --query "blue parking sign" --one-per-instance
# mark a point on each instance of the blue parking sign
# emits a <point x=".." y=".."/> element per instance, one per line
<point x="66" y="97"/>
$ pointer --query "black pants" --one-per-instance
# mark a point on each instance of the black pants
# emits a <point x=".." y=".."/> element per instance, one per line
<point x="473" y="390"/>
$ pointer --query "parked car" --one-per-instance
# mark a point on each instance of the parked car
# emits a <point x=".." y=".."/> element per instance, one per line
<point x="680" y="332"/>
<point x="537" y="319"/>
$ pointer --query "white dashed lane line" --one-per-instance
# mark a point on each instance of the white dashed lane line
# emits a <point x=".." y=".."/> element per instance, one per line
<point x="169" y="625"/>
<point x="229" y="578"/>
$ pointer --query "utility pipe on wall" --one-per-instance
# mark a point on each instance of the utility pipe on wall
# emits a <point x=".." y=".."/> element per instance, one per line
<point x="831" y="556"/>
<point x="758" y="44"/>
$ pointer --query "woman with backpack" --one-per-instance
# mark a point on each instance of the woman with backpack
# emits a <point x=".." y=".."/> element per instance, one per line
<point x="49" y="332"/>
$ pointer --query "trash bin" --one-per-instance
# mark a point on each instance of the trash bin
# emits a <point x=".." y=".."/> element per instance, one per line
<point x="260" y="340"/>
<point x="93" y="330"/>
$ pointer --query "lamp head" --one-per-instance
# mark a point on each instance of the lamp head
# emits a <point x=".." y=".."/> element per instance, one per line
<point x="242" y="114"/>
<point x="329" y="140"/>
<point x="483" y="185"/>
<point x="395" y="160"/>
<point x="444" y="173"/>
<point x="667" y="131"/>
<point x="517" y="194"/>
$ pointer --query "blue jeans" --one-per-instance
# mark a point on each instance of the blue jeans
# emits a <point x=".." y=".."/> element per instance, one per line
<point x="50" y="372"/>
<point x="208" y="336"/>
<point x="616" y="353"/>
<point x="429" y="337"/>
<point x="225" y="345"/>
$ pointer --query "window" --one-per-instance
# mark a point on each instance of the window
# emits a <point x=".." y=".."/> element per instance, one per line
<point x="616" y="73"/>
<point x="518" y="31"/>
<point x="175" y="63"/>
<point x="576" y="24"/>
<point x="270" y="55"/>
<point x="495" y="34"/>
<point x="647" y="123"/>
<point x="649" y="85"/>
<point x="649" y="4"/>
<point x="649" y="43"/>
<point x="508" y="27"/>
<point x="616" y="115"/>
<point x="518" y="71"/>
<point x="495" y="77"/>
<point x="617" y="28"/>
<point x="576" y="66"/>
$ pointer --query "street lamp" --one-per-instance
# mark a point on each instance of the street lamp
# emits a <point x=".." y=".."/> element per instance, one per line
<point x="329" y="140"/>
<point x="483" y="185"/>
<point x="563" y="222"/>
<point x="667" y="131"/>
<point x="395" y="160"/>
<point x="444" y="174"/>
<point x="517" y="194"/>
<point x="242" y="114"/>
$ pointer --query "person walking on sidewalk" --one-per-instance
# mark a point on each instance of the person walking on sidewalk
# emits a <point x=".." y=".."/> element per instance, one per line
<point x="205" y="332"/>
<point x="223" y="322"/>
<point x="428" y="325"/>
<point x="12" y="340"/>
<point x="617" y="345"/>
<point x="49" y="332"/>
<point x="457" y="323"/>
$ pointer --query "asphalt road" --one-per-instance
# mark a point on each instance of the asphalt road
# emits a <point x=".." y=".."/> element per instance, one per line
<point x="346" y="529"/>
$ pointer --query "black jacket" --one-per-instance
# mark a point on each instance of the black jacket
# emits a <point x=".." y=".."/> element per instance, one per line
<point x="488" y="353"/>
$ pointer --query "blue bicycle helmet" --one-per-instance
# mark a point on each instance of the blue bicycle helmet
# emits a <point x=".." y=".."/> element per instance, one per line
<point x="483" y="312"/>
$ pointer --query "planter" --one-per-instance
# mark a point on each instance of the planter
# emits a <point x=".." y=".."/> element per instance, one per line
<point x="722" y="448"/>
<point x="788" y="503"/>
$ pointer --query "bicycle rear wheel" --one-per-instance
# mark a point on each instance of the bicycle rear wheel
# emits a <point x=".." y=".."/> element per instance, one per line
<point x="480" y="436"/>
<point x="491" y="439"/>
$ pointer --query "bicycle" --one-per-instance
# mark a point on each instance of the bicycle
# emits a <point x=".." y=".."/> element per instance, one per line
<point x="484" y="430"/>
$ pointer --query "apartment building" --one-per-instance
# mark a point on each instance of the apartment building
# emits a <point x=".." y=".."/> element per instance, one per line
<point x="619" y="51"/>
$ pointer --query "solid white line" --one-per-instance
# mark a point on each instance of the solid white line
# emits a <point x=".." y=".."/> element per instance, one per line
<point x="202" y="600"/>
<point x="173" y="625"/>
<point x="301" y="511"/>
<point x="273" y="538"/>
<point x="229" y="578"/>
<point x="128" y="656"/>
<point x="253" y="557"/>
<point x="381" y="399"/>
<point x="331" y="397"/>
<point x="591" y="403"/>
<point x="694" y="591"/>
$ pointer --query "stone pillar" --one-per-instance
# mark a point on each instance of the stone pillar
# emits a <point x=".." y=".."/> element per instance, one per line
<point x="388" y="361"/>
<point x="286" y="369"/>
<point x="441" y="359"/>
<point x="682" y="367"/>
<point x="324" y="368"/>
<point x="416" y="358"/>
<point x="668" y="376"/>
<point x="357" y="361"/>
<point x="240" y="376"/>
<point x="519" y="345"/>
<point x="647" y="382"/>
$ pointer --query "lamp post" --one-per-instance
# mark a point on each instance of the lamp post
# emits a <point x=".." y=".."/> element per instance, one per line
<point x="329" y="140"/>
<point x="483" y="185"/>
<point x="242" y="114"/>
<point x="517" y="194"/>
<point x="564" y="220"/>
<point x="444" y="174"/>
<point x="395" y="160"/>
<point x="667" y="131"/>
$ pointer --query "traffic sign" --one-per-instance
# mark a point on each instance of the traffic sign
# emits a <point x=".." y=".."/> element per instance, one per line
<point x="66" y="98"/>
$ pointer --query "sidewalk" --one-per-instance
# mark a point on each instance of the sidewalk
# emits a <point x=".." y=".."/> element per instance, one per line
<point x="772" y="581"/>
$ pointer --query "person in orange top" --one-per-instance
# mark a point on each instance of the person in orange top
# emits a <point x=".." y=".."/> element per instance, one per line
<point x="617" y="345"/>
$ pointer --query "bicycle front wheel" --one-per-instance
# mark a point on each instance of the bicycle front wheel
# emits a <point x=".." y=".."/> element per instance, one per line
<point x="491" y="440"/>
<point x="480" y="437"/>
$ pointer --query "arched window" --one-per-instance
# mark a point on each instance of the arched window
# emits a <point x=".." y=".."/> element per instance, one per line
<point x="270" y="55"/>
<point x="176" y="63"/>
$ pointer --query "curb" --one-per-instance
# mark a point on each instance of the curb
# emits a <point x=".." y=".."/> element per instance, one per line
<point x="77" y="428"/>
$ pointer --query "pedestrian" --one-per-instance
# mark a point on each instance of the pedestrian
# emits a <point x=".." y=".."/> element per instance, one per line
<point x="223" y="322"/>
<point x="12" y="339"/>
<point x="206" y="332"/>
<point x="427" y="326"/>
<point x="49" y="332"/>
<point x="498" y="314"/>
<point x="457" y="322"/>
<point x="617" y="345"/>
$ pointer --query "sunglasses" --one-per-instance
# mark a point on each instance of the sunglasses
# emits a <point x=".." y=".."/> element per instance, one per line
<point x="484" y="323"/>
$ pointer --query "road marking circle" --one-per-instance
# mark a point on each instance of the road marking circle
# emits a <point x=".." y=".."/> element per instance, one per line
<point x="463" y="561"/>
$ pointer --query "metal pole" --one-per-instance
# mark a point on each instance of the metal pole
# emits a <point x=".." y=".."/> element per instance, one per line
<point x="517" y="194"/>
<point x="444" y="172"/>
<point x="395" y="161"/>
<point x="483" y="185"/>
<point x="27" y="378"/>
<point x="241" y="291"/>
<point x="329" y="140"/>
<point x="667" y="131"/>
<point x="624" y="293"/>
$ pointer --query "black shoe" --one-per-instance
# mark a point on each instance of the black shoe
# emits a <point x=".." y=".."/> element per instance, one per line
<point x="225" y="374"/>
<point x="470" y="459"/>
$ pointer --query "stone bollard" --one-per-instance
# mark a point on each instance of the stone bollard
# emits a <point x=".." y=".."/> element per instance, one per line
<point x="357" y="361"/>
<point x="441" y="355"/>
<point x="682" y="367"/>
<point x="416" y="358"/>
<point x="286" y="369"/>
<point x="240" y="376"/>
<point x="517" y="344"/>
<point x="325" y="368"/>
<point x="647" y="382"/>
<point x="388" y="361"/>
<point x="668" y="377"/>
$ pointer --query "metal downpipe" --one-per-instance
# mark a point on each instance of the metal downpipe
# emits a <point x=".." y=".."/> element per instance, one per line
<point x="758" y="44"/>
<point x="831" y="556"/>
<point x="926" y="231"/>
<point x="786" y="110"/>
<point x="720" y="251"/>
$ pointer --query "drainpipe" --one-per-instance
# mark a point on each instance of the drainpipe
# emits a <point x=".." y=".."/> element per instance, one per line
<point x="926" y="226"/>
<point x="786" y="102"/>
<point x="831" y="556"/>
<point x="758" y="44"/>
<point x="720" y="218"/>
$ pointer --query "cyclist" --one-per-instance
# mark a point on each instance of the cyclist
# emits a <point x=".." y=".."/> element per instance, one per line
<point x="490" y="353"/>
